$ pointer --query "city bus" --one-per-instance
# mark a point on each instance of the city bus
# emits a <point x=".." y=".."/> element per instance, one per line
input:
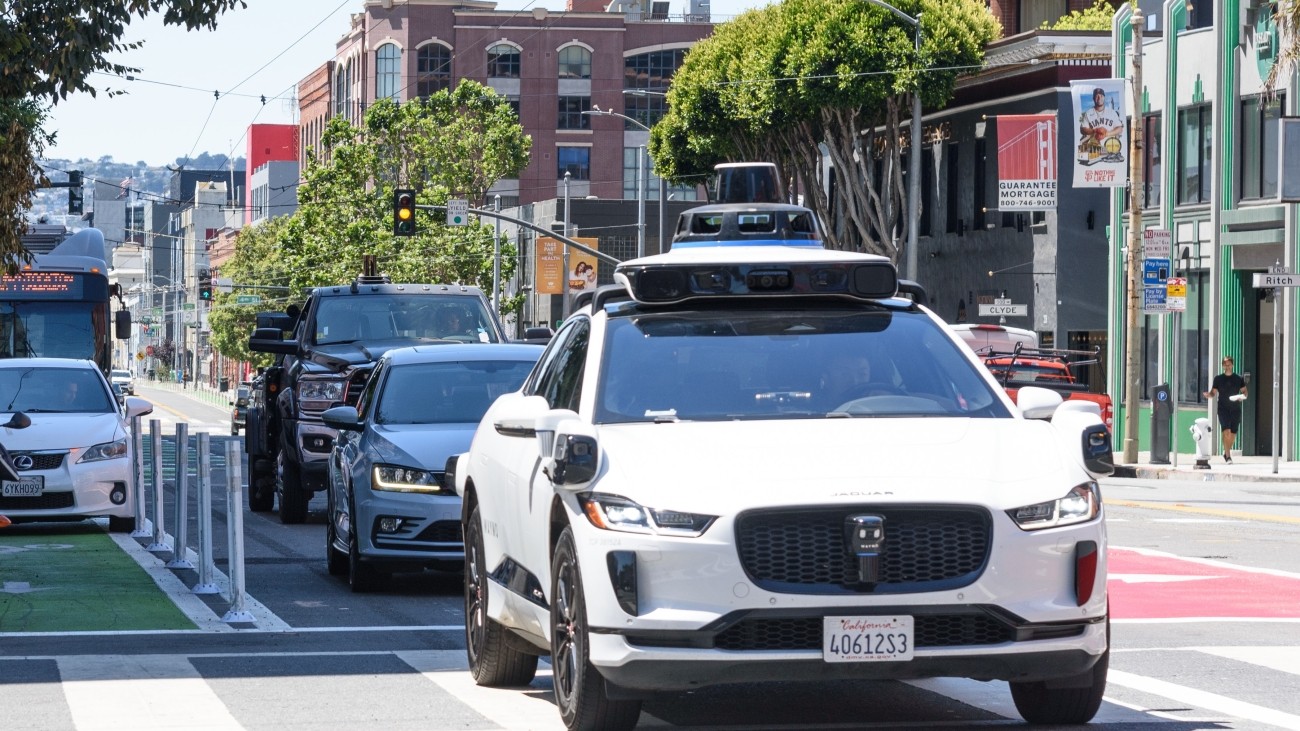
<point x="57" y="305"/>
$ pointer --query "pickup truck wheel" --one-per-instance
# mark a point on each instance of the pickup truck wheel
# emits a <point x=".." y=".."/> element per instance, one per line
<point x="1039" y="704"/>
<point x="261" y="485"/>
<point x="492" y="661"/>
<point x="293" y="499"/>
<point x="580" y="690"/>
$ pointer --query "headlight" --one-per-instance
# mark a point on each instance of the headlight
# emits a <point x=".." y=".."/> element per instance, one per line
<point x="611" y="512"/>
<point x="107" y="450"/>
<point x="391" y="478"/>
<point x="1080" y="505"/>
<point x="320" y="390"/>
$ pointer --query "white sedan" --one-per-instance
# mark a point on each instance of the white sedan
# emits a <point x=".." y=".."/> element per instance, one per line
<point x="69" y="441"/>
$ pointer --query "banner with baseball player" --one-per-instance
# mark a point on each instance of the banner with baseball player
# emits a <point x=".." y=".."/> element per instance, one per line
<point x="1102" y="148"/>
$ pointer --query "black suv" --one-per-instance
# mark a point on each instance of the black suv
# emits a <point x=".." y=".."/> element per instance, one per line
<point x="333" y="343"/>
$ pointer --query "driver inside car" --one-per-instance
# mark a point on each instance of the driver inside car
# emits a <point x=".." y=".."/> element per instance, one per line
<point x="846" y="377"/>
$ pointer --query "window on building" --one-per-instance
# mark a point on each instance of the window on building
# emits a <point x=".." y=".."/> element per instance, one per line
<point x="980" y="185"/>
<point x="503" y="62"/>
<point x="388" y="72"/>
<point x="1033" y="13"/>
<point x="1259" y="150"/>
<point x="1194" y="340"/>
<point x="571" y="113"/>
<point x="514" y="104"/>
<point x="1202" y="13"/>
<point x="925" y="227"/>
<point x="952" y="188"/>
<point x="1152" y="170"/>
<point x="650" y="74"/>
<point x="575" y="63"/>
<point x="1195" y="135"/>
<point x="433" y="69"/>
<point x="573" y="160"/>
<point x="675" y="192"/>
<point x="340" y="92"/>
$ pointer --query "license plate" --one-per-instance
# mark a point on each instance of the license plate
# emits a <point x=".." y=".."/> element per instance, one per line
<point x="867" y="639"/>
<point x="26" y="487"/>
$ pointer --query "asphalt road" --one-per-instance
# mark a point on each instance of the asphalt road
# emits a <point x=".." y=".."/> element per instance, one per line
<point x="1205" y="594"/>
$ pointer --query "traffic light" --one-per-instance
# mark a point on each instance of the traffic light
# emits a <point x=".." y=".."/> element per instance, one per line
<point x="205" y="285"/>
<point x="75" y="207"/>
<point x="403" y="212"/>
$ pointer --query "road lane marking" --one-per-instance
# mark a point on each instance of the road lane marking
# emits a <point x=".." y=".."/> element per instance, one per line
<point x="1204" y="699"/>
<point x="514" y="709"/>
<point x="1210" y="562"/>
<point x="140" y="693"/>
<point x="1282" y="659"/>
<point x="1183" y="508"/>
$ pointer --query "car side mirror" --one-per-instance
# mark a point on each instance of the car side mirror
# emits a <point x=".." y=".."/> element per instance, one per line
<point x="270" y="340"/>
<point x="575" y="460"/>
<point x="137" y="407"/>
<point x="19" y="420"/>
<point x="1098" y="454"/>
<point x="343" y="418"/>
<point x="1038" y="403"/>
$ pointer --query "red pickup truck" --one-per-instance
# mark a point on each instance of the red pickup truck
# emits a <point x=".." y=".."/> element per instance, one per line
<point x="1048" y="368"/>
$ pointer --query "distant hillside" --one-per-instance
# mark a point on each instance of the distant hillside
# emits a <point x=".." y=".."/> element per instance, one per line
<point x="147" y="179"/>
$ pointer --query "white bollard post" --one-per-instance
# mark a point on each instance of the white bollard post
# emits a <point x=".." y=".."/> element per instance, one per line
<point x="235" y="525"/>
<point x="204" y="515"/>
<point x="159" y="529"/>
<point x="142" y="528"/>
<point x="182" y="498"/>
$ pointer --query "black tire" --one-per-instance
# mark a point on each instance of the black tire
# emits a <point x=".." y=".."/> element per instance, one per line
<point x="261" y="485"/>
<point x="120" y="525"/>
<point x="362" y="577"/>
<point x="335" y="560"/>
<point x="1039" y="704"/>
<point x="580" y="690"/>
<point x="492" y="661"/>
<point x="293" y="498"/>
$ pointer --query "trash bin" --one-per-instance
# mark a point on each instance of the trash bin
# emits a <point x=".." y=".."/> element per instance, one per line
<point x="1201" y="434"/>
<point x="1162" y="413"/>
<point x="223" y="385"/>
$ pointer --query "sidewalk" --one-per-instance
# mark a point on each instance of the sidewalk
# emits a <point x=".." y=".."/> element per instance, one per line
<point x="1242" y="469"/>
<point x="201" y="391"/>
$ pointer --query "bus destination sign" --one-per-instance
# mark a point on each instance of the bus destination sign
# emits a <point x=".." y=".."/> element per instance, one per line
<point x="41" y="285"/>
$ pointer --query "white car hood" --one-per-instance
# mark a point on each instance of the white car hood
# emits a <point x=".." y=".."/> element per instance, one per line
<point x="63" y="431"/>
<point x="697" y="466"/>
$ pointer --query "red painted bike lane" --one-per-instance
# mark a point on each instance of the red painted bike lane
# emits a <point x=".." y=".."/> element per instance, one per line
<point x="1154" y="585"/>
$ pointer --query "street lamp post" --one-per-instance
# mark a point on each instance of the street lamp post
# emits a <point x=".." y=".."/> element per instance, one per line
<point x="642" y="166"/>
<point x="663" y="185"/>
<point x="913" y="160"/>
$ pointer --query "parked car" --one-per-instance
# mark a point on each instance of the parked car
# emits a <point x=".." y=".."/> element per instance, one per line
<point x="74" y="457"/>
<point x="124" y="379"/>
<point x="239" y="408"/>
<point x="389" y="507"/>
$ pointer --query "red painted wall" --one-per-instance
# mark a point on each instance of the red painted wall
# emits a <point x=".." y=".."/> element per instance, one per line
<point x="267" y="143"/>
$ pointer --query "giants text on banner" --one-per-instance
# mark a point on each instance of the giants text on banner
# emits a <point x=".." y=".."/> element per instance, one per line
<point x="1102" y="136"/>
<point x="1026" y="162"/>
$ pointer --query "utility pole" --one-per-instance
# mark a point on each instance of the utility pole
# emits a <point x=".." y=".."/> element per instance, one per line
<point x="1132" y="345"/>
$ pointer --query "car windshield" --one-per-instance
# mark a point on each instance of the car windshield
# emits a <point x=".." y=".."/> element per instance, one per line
<point x="121" y="374"/>
<point x="447" y="393"/>
<point x="764" y="364"/>
<point x="387" y="316"/>
<point x="68" y="390"/>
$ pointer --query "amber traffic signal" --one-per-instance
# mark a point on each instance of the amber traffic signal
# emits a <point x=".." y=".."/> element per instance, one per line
<point x="403" y="212"/>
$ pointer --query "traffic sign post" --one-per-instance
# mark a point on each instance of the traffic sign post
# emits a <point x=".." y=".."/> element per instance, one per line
<point x="248" y="299"/>
<point x="1276" y="279"/>
<point x="1157" y="243"/>
<point x="457" y="212"/>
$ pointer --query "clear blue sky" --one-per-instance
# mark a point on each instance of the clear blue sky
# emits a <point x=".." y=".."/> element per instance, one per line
<point x="262" y="50"/>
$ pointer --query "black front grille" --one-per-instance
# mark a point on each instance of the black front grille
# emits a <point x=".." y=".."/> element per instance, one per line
<point x="442" y="531"/>
<point x="805" y="633"/>
<point x="806" y="550"/>
<point x="48" y="501"/>
<point x="39" y="461"/>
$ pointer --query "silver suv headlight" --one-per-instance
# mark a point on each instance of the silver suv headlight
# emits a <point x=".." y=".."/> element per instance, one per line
<point x="613" y="512"/>
<point x="107" y="450"/>
<point x="1079" y="505"/>
<point x="394" y="478"/>
<point x="321" y="390"/>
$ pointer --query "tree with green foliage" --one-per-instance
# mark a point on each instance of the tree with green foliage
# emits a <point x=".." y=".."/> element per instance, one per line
<point x="254" y="266"/>
<point x="787" y="82"/>
<point x="1097" y="17"/>
<point x="455" y="144"/>
<point x="49" y="50"/>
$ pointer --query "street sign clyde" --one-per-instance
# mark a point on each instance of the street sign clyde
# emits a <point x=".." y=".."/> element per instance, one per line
<point x="1004" y="310"/>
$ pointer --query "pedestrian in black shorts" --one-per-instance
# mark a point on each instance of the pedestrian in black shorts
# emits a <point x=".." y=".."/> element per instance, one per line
<point x="1231" y="390"/>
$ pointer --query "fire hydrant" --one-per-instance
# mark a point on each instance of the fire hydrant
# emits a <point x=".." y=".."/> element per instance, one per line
<point x="1201" y="433"/>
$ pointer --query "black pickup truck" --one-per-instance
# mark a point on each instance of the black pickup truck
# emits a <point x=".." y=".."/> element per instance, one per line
<point x="325" y="351"/>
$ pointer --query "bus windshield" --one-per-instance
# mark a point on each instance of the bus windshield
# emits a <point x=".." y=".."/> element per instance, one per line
<point x="51" y="329"/>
